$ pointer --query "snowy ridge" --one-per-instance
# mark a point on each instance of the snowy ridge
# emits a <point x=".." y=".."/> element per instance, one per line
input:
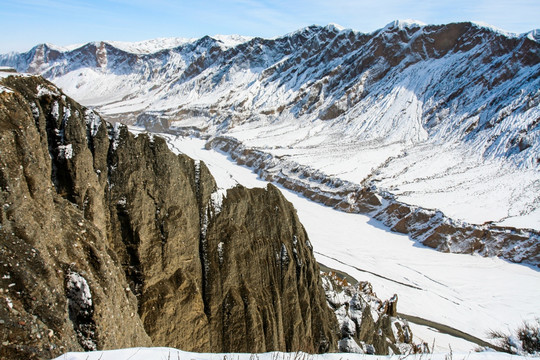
<point x="337" y="27"/>
<point x="63" y="48"/>
<point x="229" y="41"/>
<point x="150" y="46"/>
<point x="427" y="226"/>
<point x="404" y="24"/>
<point x="412" y="109"/>
<point x="499" y="30"/>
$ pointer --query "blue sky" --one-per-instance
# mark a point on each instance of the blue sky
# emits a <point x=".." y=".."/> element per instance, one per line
<point x="26" y="23"/>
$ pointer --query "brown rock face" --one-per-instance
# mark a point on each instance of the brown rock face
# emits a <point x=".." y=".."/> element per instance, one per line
<point x="108" y="240"/>
<point x="264" y="289"/>
<point x="155" y="230"/>
<point x="61" y="286"/>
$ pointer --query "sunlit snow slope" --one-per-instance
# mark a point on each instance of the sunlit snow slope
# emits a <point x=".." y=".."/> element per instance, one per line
<point x="444" y="117"/>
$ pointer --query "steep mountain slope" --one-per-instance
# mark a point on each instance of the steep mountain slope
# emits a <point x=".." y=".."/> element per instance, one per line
<point x="437" y="116"/>
<point x="109" y="240"/>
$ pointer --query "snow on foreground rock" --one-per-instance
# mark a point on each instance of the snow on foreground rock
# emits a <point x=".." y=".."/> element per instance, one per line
<point x="368" y="325"/>
<point x="173" y="354"/>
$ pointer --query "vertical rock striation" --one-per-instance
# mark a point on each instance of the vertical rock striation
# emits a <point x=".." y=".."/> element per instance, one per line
<point x="109" y="240"/>
<point x="61" y="285"/>
<point x="262" y="281"/>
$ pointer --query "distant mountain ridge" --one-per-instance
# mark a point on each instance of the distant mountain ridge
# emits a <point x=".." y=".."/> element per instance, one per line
<point x="314" y="73"/>
<point x="378" y="109"/>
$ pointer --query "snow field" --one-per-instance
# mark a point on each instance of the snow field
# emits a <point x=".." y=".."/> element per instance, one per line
<point x="173" y="354"/>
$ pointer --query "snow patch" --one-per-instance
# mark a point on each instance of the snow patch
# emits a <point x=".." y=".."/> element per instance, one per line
<point x="533" y="35"/>
<point x="216" y="199"/>
<point x="152" y="45"/>
<point x="493" y="28"/>
<point x="78" y="288"/>
<point x="64" y="48"/>
<point x="8" y="69"/>
<point x="114" y="135"/>
<point x="55" y="110"/>
<point x="122" y="201"/>
<point x="93" y="121"/>
<point x="220" y="251"/>
<point x="35" y="110"/>
<point x="65" y="151"/>
<point x="348" y="345"/>
<point x="81" y="310"/>
<point x="403" y="24"/>
<point x="229" y="41"/>
<point x="284" y="256"/>
<point x="5" y="89"/>
<point x="43" y="90"/>
<point x="5" y="74"/>
<point x="66" y="116"/>
<point x="335" y="26"/>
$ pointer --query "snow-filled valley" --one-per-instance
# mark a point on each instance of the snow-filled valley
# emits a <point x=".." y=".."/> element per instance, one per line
<point x="469" y="293"/>
<point x="440" y="116"/>
<point x="432" y="175"/>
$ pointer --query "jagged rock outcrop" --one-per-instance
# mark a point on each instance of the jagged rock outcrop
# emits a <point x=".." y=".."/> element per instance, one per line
<point x="368" y="325"/>
<point x="109" y="240"/>
<point x="274" y="301"/>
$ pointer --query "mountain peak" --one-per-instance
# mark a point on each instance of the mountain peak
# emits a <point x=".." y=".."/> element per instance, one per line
<point x="228" y="41"/>
<point x="314" y="28"/>
<point x="336" y="27"/>
<point x="533" y="35"/>
<point x="402" y="24"/>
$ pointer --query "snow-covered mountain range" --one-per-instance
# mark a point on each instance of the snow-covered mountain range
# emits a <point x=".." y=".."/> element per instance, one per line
<point x="442" y="117"/>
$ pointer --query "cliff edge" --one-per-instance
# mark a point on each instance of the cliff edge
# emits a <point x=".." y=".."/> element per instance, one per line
<point x="109" y="240"/>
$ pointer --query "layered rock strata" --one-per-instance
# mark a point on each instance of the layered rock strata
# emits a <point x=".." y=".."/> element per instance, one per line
<point x="430" y="227"/>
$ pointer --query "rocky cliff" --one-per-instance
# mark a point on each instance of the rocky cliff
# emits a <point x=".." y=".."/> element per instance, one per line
<point x="109" y="240"/>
